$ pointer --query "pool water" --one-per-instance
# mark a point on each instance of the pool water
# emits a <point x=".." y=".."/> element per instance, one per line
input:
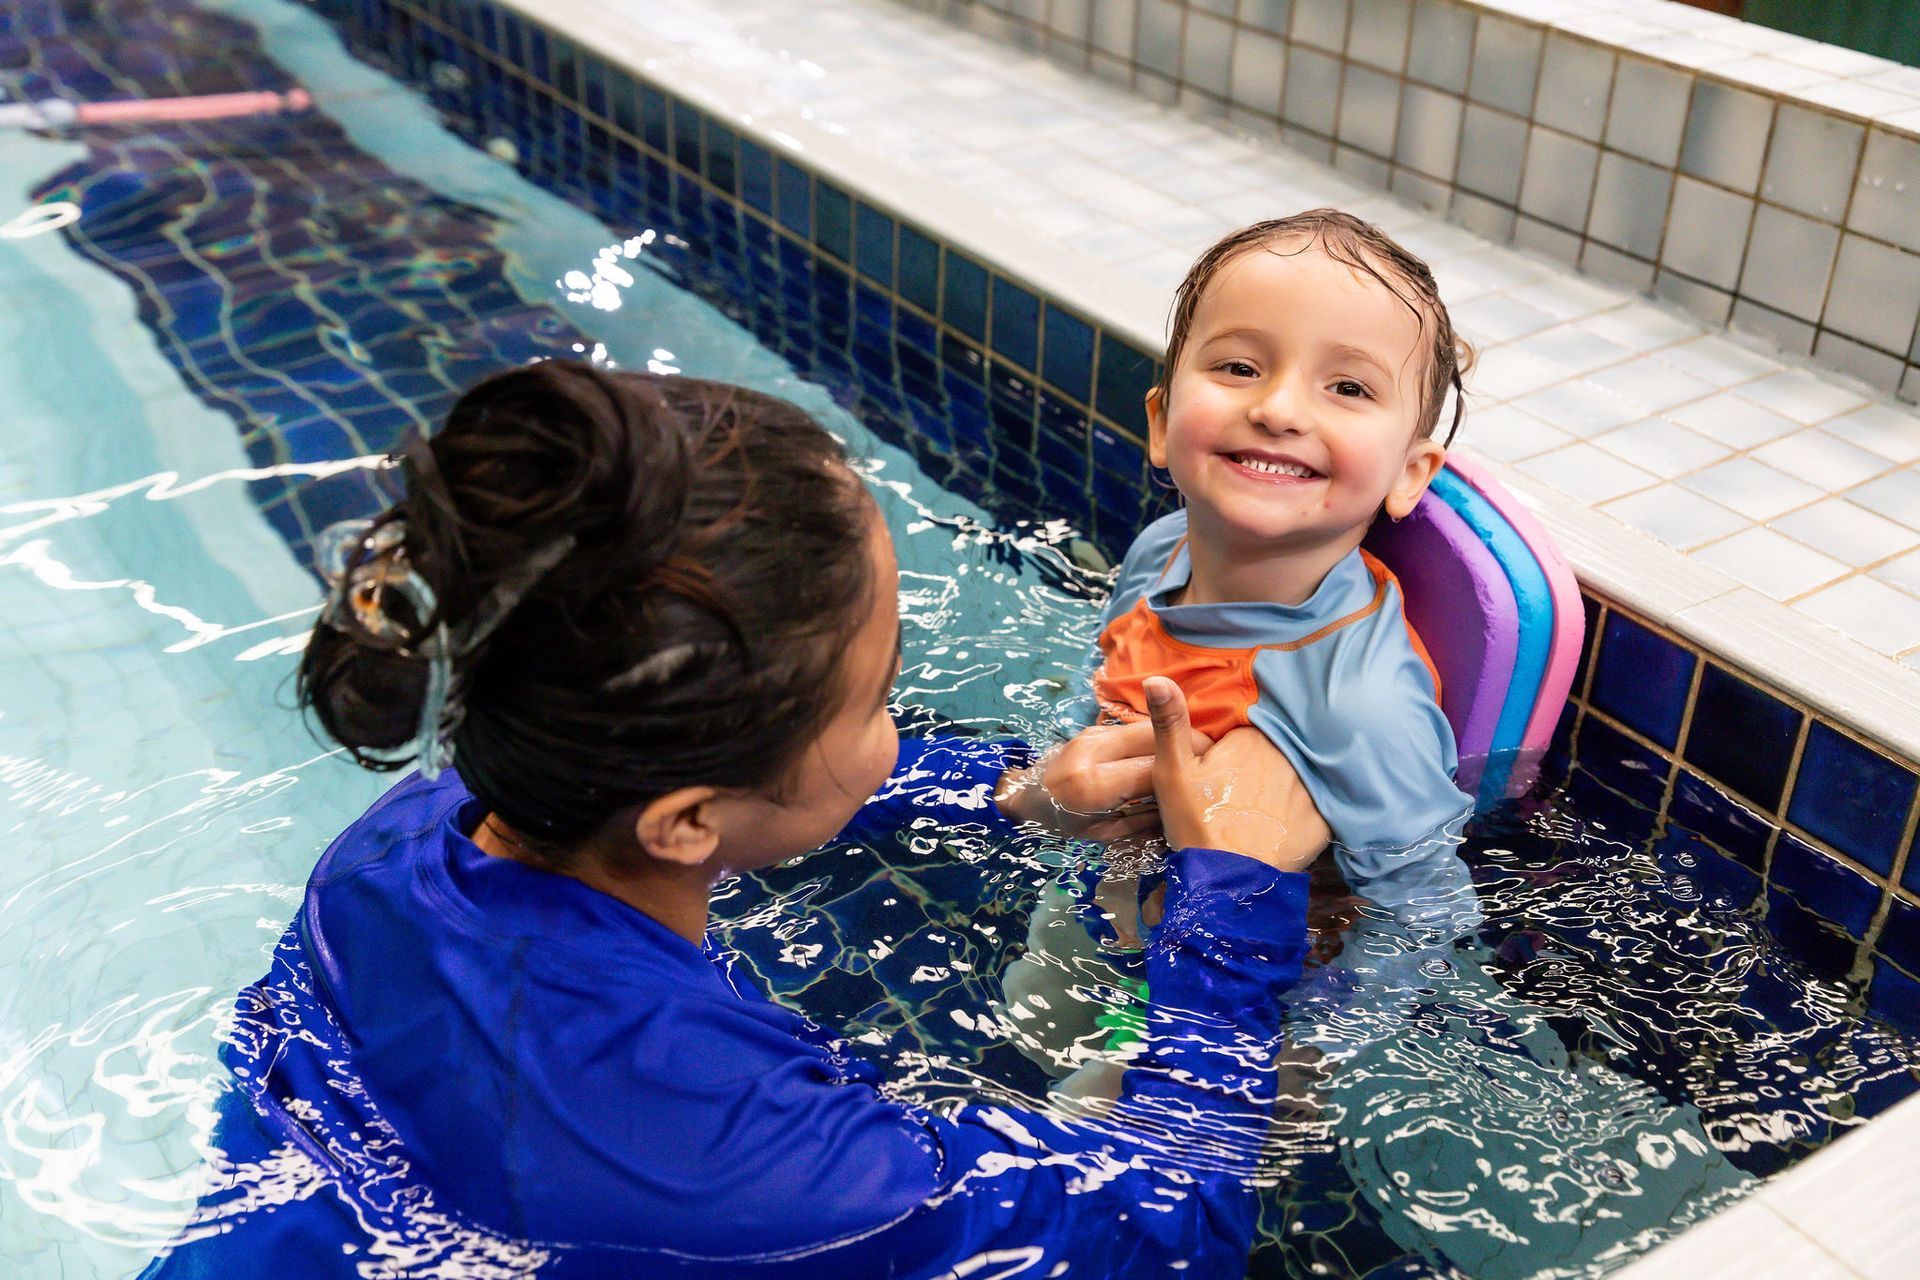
<point x="1602" y="1042"/>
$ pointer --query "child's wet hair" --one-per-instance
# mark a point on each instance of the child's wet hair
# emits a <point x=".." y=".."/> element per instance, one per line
<point x="692" y="634"/>
<point x="1363" y="247"/>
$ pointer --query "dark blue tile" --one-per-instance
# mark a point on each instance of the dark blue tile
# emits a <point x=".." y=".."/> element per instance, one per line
<point x="1016" y="323"/>
<point x="963" y="296"/>
<point x="1731" y="885"/>
<point x="1899" y="939"/>
<point x="723" y="161"/>
<point x="1642" y="679"/>
<point x="756" y="176"/>
<point x="1894" y="997"/>
<point x="1621" y="763"/>
<point x="1742" y="736"/>
<point x="833" y="220"/>
<point x="686" y="137"/>
<point x="1701" y="808"/>
<point x="1910" y="878"/>
<point x="1068" y="354"/>
<point x="873" y="248"/>
<point x="796" y="199"/>
<point x="656" y="127"/>
<point x="1809" y="939"/>
<point x="919" y="270"/>
<point x="1126" y="375"/>
<point x="1852" y="797"/>
<point x="1835" y="893"/>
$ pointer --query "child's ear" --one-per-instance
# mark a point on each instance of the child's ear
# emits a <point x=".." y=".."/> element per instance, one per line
<point x="681" y="826"/>
<point x="1157" y="428"/>
<point x="1423" y="463"/>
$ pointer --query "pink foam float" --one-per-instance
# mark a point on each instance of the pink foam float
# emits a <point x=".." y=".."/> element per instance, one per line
<point x="57" y="113"/>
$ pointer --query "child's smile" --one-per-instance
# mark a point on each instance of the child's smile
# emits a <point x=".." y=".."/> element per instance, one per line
<point x="1292" y="416"/>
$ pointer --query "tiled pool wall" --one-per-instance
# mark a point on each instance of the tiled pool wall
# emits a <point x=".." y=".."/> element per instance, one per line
<point x="1753" y="177"/>
<point x="1801" y="817"/>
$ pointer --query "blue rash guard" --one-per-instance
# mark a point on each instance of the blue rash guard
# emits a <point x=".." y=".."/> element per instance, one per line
<point x="459" y="1064"/>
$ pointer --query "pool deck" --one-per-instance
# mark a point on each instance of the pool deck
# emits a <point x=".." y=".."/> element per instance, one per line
<point x="1763" y="507"/>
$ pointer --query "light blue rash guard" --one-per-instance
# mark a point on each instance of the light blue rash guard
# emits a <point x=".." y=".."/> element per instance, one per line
<point x="1336" y="684"/>
<point x="462" y="1065"/>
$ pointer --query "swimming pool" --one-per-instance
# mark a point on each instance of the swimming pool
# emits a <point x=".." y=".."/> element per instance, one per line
<point x="204" y="368"/>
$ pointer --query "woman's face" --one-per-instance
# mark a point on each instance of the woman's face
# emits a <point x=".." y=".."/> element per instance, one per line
<point x="853" y="754"/>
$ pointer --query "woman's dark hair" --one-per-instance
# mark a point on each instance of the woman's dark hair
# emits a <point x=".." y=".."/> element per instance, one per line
<point x="692" y="634"/>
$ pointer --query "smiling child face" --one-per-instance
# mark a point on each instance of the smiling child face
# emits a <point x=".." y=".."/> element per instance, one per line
<point x="1291" y="416"/>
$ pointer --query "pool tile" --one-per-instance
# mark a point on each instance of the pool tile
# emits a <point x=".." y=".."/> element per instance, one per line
<point x="1649" y="110"/>
<point x="1835" y="893"/>
<point x="1589" y="641"/>
<point x="1873" y="294"/>
<point x="1016" y="323"/>
<point x="1707" y="232"/>
<point x="1849" y="533"/>
<point x="1733" y="421"/>
<point x="1900" y="937"/>
<point x="1678" y="517"/>
<point x="723" y="158"/>
<point x="756" y="176"/>
<point x="963" y="296"/>
<point x="1880" y="616"/>
<point x="1886" y="200"/>
<point x="1622" y="764"/>
<point x="686" y="137"/>
<point x="1809" y="938"/>
<point x="1506" y="63"/>
<point x="1642" y="679"/>
<point x="1068" y="354"/>
<point x="1892" y="432"/>
<point x="1789" y="260"/>
<point x="873" y="244"/>
<point x="919" y="270"/>
<point x="795" y="199"/>
<point x="1587" y="473"/>
<point x="1894" y="997"/>
<point x="1575" y="79"/>
<point x="1752" y="488"/>
<point x="1702" y="808"/>
<point x="1851" y="797"/>
<point x="1811" y="162"/>
<point x="1509" y="434"/>
<point x="656" y="125"/>
<point x="1126" y="375"/>
<point x="833" y="220"/>
<point x="1771" y="563"/>
<point x="1797" y="394"/>
<point x="1440" y="52"/>
<point x="1742" y="736"/>
<point x="1662" y="447"/>
<point x="1727" y="135"/>
<point x="1903" y="572"/>
<point x="1822" y="459"/>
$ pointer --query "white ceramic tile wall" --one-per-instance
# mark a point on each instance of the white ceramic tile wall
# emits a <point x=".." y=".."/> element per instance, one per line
<point x="1747" y="176"/>
<point x="1719" y="449"/>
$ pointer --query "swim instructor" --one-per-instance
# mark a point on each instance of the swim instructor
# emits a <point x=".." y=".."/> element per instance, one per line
<point x="637" y="634"/>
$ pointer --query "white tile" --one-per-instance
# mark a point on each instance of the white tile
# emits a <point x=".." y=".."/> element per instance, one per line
<point x="1509" y="434"/>
<point x="1752" y="488"/>
<point x="1802" y="396"/>
<point x="1888" y="431"/>
<point x="1877" y="615"/>
<point x="1903" y="573"/>
<point x="1494" y="318"/>
<point x="1507" y="372"/>
<point x="1651" y="384"/>
<point x="1643" y="326"/>
<point x="1896" y="496"/>
<point x="1589" y="474"/>
<point x="1736" y="423"/>
<point x="1678" y="517"/>
<point x="1847" y="532"/>
<point x="1747" y="1242"/>
<point x="1665" y="448"/>
<point x="1569" y="296"/>
<point x="1576" y="348"/>
<point x="1580" y="407"/>
<point x="1771" y="563"/>
<point x="1819" y="458"/>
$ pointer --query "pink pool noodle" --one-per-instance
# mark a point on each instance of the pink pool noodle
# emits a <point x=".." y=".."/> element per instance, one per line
<point x="1460" y="603"/>
<point x="211" y="106"/>
<point x="1569" y="619"/>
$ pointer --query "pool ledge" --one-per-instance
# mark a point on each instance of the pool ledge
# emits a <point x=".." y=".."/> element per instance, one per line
<point x="1832" y="674"/>
<point x="1843" y="1212"/>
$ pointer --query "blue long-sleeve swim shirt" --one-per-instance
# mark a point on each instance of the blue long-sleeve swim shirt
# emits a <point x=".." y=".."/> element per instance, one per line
<point x="459" y="1064"/>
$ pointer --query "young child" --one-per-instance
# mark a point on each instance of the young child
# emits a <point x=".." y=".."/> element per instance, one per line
<point x="1307" y="366"/>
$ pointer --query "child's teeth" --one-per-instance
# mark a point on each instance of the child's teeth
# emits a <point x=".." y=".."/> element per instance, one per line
<point x="1277" y="468"/>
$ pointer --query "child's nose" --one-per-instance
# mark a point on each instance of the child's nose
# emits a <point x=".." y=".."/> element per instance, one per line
<point x="1283" y="405"/>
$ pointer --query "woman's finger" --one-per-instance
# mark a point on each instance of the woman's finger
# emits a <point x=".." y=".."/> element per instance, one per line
<point x="1173" y="752"/>
<point x="1135" y="738"/>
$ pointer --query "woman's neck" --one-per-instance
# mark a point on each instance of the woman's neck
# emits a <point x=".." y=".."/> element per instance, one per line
<point x="668" y="893"/>
<point x="1230" y="571"/>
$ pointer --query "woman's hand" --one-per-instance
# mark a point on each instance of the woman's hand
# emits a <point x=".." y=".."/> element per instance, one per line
<point x="1096" y="786"/>
<point x="1243" y="795"/>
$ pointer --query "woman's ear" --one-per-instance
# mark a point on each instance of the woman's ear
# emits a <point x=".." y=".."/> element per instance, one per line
<point x="681" y="826"/>
<point x="1423" y="463"/>
<point x="1157" y="428"/>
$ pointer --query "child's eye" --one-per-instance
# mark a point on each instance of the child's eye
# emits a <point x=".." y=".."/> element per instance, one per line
<point x="1238" y="368"/>
<point x="1352" y="388"/>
